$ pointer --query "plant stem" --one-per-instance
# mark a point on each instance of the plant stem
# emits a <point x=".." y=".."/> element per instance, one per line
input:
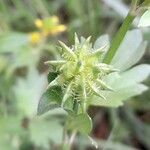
<point x="118" y="38"/>
<point x="74" y="132"/>
<point x="72" y="138"/>
<point x="121" y="33"/>
<point x="68" y="142"/>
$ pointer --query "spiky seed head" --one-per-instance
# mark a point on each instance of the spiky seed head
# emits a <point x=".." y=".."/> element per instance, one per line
<point x="80" y="70"/>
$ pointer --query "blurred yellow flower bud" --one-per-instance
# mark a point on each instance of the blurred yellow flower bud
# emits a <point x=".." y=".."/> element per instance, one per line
<point x="48" y="26"/>
<point x="34" y="37"/>
<point x="54" y="19"/>
<point x="38" y="23"/>
<point x="61" y="28"/>
<point x="57" y="29"/>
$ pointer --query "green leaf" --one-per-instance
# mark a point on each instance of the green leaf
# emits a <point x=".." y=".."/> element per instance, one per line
<point x="12" y="42"/>
<point x="5" y="146"/>
<point x="132" y="76"/>
<point x="10" y="131"/>
<point x="44" y="131"/>
<point x="24" y="57"/>
<point x="103" y="40"/>
<point x="51" y="76"/>
<point x="81" y="123"/>
<point x="105" y="144"/>
<point x="125" y="86"/>
<point x="115" y="99"/>
<point x="145" y="19"/>
<point x="10" y="125"/>
<point x="28" y="92"/>
<point x="130" y="51"/>
<point x="50" y="99"/>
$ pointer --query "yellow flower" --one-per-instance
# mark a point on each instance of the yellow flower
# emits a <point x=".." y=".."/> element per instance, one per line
<point x="57" y="29"/>
<point x="34" y="37"/>
<point x="47" y="26"/>
<point x="60" y="28"/>
<point x="50" y="26"/>
<point x="38" y="23"/>
<point x="54" y="19"/>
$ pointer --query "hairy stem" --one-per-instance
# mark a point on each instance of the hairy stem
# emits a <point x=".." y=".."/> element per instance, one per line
<point x="74" y="132"/>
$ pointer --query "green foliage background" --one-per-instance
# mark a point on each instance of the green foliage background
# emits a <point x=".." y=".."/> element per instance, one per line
<point x="23" y="76"/>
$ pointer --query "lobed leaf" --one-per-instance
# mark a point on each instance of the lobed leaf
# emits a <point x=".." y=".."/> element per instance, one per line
<point x="115" y="99"/>
<point x="42" y="132"/>
<point x="81" y="123"/>
<point x="145" y="19"/>
<point x="102" y="41"/>
<point x="12" y="42"/>
<point x="130" y="51"/>
<point x="132" y="76"/>
<point x="27" y="92"/>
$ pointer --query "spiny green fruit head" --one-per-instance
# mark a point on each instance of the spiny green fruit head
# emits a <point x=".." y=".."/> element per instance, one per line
<point x="80" y="71"/>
